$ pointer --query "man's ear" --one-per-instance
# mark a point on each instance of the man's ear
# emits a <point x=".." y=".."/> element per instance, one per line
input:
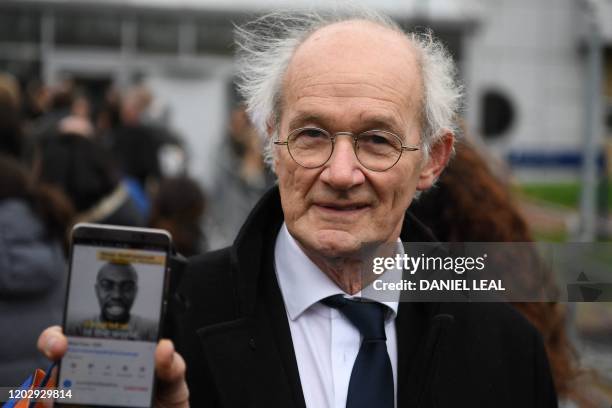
<point x="439" y="156"/>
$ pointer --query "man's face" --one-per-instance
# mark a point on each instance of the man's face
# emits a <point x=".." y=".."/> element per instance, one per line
<point x="351" y="76"/>
<point x="116" y="290"/>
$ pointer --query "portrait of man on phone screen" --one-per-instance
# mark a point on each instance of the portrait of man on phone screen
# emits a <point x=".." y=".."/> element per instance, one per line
<point x="116" y="289"/>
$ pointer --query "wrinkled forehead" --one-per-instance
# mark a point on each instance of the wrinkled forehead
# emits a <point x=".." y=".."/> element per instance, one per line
<point x="356" y="52"/>
<point x="359" y="33"/>
<point x="117" y="273"/>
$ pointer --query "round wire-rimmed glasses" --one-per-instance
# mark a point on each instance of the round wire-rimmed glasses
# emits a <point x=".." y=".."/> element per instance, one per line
<point x="376" y="150"/>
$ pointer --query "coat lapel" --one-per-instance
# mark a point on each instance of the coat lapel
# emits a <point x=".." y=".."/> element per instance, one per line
<point x="410" y="326"/>
<point x="228" y="359"/>
<point x="250" y="356"/>
<point x="421" y="328"/>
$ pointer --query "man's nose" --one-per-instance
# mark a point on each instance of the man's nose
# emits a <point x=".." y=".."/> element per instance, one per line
<point x="343" y="171"/>
<point x="115" y="292"/>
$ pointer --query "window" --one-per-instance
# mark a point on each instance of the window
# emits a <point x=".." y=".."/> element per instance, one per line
<point x="81" y="29"/>
<point x="214" y="37"/>
<point x="19" y="26"/>
<point x="159" y="35"/>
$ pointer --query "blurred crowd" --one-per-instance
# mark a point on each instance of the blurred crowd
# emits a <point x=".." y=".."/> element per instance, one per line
<point x="67" y="158"/>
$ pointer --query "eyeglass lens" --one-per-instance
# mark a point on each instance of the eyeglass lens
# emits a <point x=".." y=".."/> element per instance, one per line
<point x="375" y="150"/>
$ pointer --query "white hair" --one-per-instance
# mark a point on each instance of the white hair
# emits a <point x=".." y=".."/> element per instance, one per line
<point x="265" y="47"/>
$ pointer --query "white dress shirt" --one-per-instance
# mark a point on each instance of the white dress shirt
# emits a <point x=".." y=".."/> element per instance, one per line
<point x="325" y="341"/>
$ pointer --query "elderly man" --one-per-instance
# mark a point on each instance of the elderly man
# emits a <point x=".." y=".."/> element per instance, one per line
<point x="359" y="119"/>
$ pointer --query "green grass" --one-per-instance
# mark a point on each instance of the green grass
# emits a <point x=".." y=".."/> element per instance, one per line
<point x="561" y="194"/>
<point x="550" y="235"/>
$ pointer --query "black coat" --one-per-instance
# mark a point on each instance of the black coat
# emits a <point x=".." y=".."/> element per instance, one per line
<point x="234" y="335"/>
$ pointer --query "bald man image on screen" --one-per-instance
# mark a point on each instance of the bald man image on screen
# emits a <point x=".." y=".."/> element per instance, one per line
<point x="116" y="289"/>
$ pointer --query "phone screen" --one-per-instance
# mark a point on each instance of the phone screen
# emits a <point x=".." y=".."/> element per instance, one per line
<point x="112" y="322"/>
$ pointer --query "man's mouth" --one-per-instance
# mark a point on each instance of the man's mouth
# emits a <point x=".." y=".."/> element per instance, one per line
<point x="114" y="309"/>
<point x="349" y="207"/>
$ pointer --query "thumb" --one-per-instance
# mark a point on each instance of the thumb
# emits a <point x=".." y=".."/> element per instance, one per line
<point x="172" y="390"/>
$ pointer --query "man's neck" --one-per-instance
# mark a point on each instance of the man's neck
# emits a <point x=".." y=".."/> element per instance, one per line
<point x="345" y="272"/>
<point x="349" y="273"/>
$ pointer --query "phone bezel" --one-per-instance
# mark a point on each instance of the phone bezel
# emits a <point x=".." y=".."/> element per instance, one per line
<point x="120" y="237"/>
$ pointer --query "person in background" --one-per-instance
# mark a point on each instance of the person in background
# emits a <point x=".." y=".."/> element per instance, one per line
<point x="150" y="141"/>
<point x="34" y="220"/>
<point x="178" y="207"/>
<point x="107" y="114"/>
<point x="37" y="98"/>
<point x="12" y="140"/>
<point x="79" y="119"/>
<point x="470" y="204"/>
<point x="61" y="101"/>
<point x="87" y="174"/>
<point x="241" y="179"/>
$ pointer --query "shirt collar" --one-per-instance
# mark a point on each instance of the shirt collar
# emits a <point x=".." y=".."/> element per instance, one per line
<point x="301" y="282"/>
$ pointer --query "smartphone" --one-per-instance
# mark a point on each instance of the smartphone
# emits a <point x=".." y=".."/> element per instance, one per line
<point x="115" y="302"/>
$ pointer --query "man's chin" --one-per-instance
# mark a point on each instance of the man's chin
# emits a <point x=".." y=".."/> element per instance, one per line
<point x="337" y="243"/>
<point x="115" y="317"/>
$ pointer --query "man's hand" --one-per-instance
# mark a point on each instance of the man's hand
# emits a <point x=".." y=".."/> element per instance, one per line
<point x="172" y="389"/>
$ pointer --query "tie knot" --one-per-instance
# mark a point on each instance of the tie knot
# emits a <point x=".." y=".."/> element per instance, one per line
<point x="367" y="317"/>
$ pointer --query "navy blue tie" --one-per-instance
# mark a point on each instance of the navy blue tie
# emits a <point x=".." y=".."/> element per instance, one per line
<point x="371" y="383"/>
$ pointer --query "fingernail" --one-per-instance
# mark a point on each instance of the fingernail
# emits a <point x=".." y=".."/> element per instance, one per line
<point x="52" y="340"/>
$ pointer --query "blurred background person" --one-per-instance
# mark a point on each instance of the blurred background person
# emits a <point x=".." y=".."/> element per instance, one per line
<point x="61" y="102"/>
<point x="178" y="207"/>
<point x="12" y="139"/>
<point x="85" y="171"/>
<point x="241" y="178"/>
<point x="36" y="99"/>
<point x="107" y="114"/>
<point x="78" y="121"/>
<point x="140" y="146"/>
<point x="34" y="222"/>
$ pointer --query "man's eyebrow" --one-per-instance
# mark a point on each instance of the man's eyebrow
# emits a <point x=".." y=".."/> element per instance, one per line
<point x="302" y="118"/>
<point x="380" y="122"/>
<point x="366" y="122"/>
